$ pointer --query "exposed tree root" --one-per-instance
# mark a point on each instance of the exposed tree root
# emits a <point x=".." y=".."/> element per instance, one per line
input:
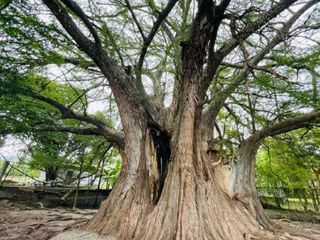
<point x="192" y="209"/>
<point x="16" y="223"/>
<point x="41" y="224"/>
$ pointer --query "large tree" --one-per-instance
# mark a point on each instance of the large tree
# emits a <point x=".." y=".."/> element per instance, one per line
<point x="198" y="86"/>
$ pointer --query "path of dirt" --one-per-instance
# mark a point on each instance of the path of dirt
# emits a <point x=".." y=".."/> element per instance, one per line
<point x="19" y="222"/>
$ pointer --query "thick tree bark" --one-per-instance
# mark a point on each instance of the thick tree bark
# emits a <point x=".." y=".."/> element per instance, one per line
<point x="181" y="191"/>
<point x="172" y="184"/>
<point x="199" y="200"/>
<point x="244" y="188"/>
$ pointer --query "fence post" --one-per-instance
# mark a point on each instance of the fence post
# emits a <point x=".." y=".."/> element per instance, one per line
<point x="3" y="170"/>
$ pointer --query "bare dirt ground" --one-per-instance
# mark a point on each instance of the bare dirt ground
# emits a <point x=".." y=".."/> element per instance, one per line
<point x="19" y="222"/>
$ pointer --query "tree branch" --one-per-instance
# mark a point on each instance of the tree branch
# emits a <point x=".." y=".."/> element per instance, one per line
<point x="74" y="130"/>
<point x="147" y="41"/>
<point x="69" y="25"/>
<point x="121" y="83"/>
<point x="48" y="128"/>
<point x="253" y="27"/>
<point x="4" y="5"/>
<point x="116" y="138"/>
<point x="211" y="66"/>
<point x="165" y="24"/>
<point x="214" y="107"/>
<point x="118" y="79"/>
<point x="134" y="17"/>
<point x="73" y="6"/>
<point x="305" y="120"/>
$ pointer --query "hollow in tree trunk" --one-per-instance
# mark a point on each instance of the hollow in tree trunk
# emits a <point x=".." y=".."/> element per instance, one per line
<point x="171" y="186"/>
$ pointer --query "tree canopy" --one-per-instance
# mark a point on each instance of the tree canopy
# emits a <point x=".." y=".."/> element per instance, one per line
<point x="291" y="159"/>
<point x="270" y="76"/>
<point x="192" y="89"/>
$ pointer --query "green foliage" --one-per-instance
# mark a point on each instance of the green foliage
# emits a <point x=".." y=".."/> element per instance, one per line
<point x="112" y="169"/>
<point x="48" y="150"/>
<point x="25" y="36"/>
<point x="32" y="43"/>
<point x="292" y="160"/>
<point x="60" y="152"/>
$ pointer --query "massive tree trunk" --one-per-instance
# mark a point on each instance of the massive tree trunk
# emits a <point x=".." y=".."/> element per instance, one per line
<point x="175" y="188"/>
<point x="172" y="186"/>
<point x="244" y="188"/>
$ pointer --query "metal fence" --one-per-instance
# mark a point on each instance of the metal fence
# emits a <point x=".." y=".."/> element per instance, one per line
<point x="16" y="172"/>
<point x="21" y="174"/>
<point x="304" y="199"/>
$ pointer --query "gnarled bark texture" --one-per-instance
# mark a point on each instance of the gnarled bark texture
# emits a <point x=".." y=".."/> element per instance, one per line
<point x="174" y="184"/>
<point x="200" y="198"/>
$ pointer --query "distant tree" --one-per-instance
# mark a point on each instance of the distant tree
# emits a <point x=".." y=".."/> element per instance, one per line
<point x="48" y="152"/>
<point x="294" y="156"/>
<point x="58" y="153"/>
<point x="292" y="161"/>
<point x="198" y="85"/>
<point x="278" y="165"/>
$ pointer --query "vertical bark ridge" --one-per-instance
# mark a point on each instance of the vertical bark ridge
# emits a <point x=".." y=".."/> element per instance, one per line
<point x="191" y="206"/>
<point x="199" y="208"/>
<point x="244" y="185"/>
<point x="130" y="198"/>
<point x="196" y="200"/>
